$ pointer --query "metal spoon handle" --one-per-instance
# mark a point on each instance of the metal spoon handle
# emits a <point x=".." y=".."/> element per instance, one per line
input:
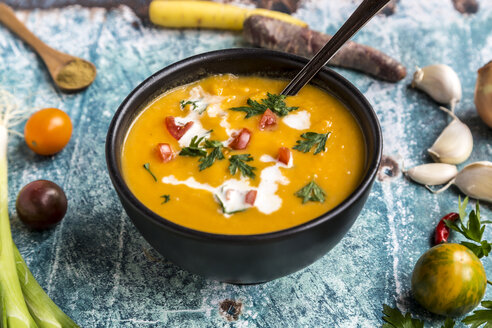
<point x="366" y="10"/>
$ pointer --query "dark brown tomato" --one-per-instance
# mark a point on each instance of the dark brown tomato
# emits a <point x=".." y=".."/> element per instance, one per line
<point x="41" y="204"/>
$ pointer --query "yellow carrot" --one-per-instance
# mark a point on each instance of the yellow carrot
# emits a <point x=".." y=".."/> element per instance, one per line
<point x="207" y="14"/>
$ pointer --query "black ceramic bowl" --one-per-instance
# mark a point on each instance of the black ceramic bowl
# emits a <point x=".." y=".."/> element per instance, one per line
<point x="243" y="259"/>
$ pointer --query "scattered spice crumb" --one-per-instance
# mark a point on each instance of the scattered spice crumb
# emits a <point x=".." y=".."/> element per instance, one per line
<point x="230" y="309"/>
<point x="388" y="169"/>
<point x="466" y="6"/>
<point x="389" y="9"/>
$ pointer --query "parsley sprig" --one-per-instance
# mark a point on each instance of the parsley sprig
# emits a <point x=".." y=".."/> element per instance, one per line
<point x="312" y="139"/>
<point x="194" y="149"/>
<point x="238" y="162"/>
<point x="215" y="154"/>
<point x="275" y="102"/>
<point x="165" y="199"/>
<point x="146" y="166"/>
<point x="311" y="193"/>
<point x="473" y="230"/>
<point x="183" y="104"/>
<point x="196" y="105"/>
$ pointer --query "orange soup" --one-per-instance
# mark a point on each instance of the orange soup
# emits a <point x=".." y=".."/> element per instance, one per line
<point x="228" y="155"/>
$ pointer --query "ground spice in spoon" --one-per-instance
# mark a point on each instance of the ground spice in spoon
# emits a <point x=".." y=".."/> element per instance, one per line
<point x="77" y="74"/>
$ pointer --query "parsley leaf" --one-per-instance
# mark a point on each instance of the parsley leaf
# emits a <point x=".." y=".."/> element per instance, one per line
<point x="238" y="162"/>
<point x="480" y="317"/>
<point x="194" y="149"/>
<point x="255" y="108"/>
<point x="146" y="166"/>
<point x="183" y="104"/>
<point x="473" y="230"/>
<point x="275" y="102"/>
<point x="197" y="105"/>
<point x="311" y="192"/>
<point x="395" y="319"/>
<point x="216" y="153"/>
<point x="166" y="198"/>
<point x="312" y="139"/>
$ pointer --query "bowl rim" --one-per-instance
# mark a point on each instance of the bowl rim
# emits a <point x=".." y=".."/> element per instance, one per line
<point x="124" y="191"/>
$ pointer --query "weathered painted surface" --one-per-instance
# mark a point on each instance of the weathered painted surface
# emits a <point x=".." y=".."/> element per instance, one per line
<point x="100" y="270"/>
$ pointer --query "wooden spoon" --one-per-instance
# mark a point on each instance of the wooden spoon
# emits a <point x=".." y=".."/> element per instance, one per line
<point x="69" y="73"/>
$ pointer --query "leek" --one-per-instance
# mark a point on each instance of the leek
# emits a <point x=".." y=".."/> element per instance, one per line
<point x="23" y="303"/>
<point x="44" y="311"/>
<point x="17" y="314"/>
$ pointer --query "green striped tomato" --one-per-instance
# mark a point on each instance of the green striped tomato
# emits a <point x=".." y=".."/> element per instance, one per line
<point x="449" y="280"/>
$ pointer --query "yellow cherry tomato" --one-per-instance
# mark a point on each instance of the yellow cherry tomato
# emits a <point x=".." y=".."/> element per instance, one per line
<point x="48" y="131"/>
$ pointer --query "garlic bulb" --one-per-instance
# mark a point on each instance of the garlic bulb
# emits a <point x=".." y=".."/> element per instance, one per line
<point x="483" y="93"/>
<point x="440" y="82"/>
<point x="455" y="143"/>
<point x="432" y="174"/>
<point x="474" y="180"/>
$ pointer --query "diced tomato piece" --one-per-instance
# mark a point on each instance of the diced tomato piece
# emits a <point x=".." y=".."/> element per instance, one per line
<point x="177" y="131"/>
<point x="241" y="140"/>
<point x="268" y="119"/>
<point x="250" y="197"/>
<point x="165" y="152"/>
<point x="284" y="155"/>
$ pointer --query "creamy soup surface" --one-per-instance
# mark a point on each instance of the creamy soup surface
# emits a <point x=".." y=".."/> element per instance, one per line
<point x="193" y="157"/>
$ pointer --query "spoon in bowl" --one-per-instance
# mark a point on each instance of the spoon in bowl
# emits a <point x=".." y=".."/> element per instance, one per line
<point x="366" y="10"/>
<point x="69" y="73"/>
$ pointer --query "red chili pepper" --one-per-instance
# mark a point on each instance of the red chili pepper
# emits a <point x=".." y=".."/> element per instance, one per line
<point x="442" y="231"/>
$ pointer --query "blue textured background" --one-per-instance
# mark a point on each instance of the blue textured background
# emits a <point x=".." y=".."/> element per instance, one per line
<point x="103" y="274"/>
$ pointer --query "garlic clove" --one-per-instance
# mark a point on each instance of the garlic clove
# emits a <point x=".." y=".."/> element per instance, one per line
<point x="455" y="143"/>
<point x="483" y="93"/>
<point x="440" y="82"/>
<point x="432" y="174"/>
<point x="475" y="180"/>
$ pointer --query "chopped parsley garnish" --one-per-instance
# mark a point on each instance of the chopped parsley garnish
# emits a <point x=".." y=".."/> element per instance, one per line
<point x="312" y="139"/>
<point x="183" y="104"/>
<point x="206" y="159"/>
<point x="146" y="166"/>
<point x="215" y="154"/>
<point x="222" y="207"/>
<point x="276" y="104"/>
<point x="238" y="162"/>
<point x="311" y="193"/>
<point x="473" y="230"/>
<point x="197" y="105"/>
<point x="194" y="149"/>
<point x="165" y="199"/>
